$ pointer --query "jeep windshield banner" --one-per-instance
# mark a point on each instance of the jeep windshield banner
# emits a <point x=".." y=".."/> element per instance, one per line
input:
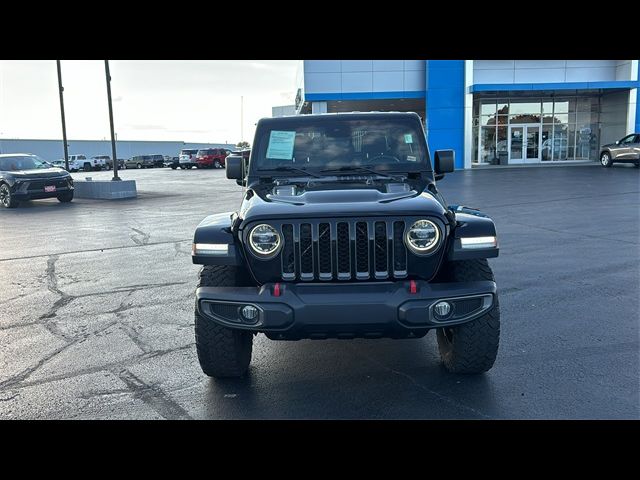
<point x="328" y="143"/>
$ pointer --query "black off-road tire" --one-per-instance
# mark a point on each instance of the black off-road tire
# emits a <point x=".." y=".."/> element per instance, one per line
<point x="65" y="197"/>
<point x="471" y="347"/>
<point x="222" y="352"/>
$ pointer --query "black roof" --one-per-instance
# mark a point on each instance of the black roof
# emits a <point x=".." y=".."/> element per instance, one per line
<point x="314" y="117"/>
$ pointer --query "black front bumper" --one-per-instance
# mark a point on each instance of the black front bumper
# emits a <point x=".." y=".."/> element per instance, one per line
<point x="22" y="194"/>
<point x="345" y="310"/>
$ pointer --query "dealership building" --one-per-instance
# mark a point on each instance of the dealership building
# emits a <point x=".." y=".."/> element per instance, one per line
<point x="491" y="112"/>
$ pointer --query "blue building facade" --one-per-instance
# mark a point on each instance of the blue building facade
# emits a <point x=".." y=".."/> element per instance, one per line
<point x="491" y="112"/>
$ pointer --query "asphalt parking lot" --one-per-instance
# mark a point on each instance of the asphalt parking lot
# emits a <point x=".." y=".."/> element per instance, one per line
<point x="96" y="311"/>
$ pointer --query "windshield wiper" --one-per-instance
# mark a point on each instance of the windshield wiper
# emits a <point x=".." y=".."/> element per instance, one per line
<point x="356" y="169"/>
<point x="288" y="168"/>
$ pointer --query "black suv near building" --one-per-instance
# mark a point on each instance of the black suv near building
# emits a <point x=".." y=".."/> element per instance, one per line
<point x="342" y="233"/>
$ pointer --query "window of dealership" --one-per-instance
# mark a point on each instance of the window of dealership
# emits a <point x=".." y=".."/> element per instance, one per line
<point x="535" y="129"/>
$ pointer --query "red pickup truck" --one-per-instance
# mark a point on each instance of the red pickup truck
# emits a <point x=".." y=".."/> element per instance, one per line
<point x="211" y="158"/>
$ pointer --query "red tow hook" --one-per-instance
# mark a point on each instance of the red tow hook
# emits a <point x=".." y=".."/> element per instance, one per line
<point x="413" y="288"/>
<point x="276" y="290"/>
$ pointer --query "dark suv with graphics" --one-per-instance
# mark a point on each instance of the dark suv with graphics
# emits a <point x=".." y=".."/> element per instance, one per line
<point x="343" y="233"/>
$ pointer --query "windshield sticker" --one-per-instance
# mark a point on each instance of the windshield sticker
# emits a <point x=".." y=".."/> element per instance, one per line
<point x="411" y="158"/>
<point x="408" y="138"/>
<point x="281" y="145"/>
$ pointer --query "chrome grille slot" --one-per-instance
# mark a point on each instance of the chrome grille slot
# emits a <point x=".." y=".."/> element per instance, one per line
<point x="343" y="251"/>
<point x="306" y="252"/>
<point x="399" y="251"/>
<point x="288" y="253"/>
<point x="324" y="251"/>
<point x="381" y="255"/>
<point x="362" y="250"/>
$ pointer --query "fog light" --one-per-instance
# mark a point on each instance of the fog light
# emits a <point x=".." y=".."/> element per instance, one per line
<point x="442" y="309"/>
<point x="249" y="312"/>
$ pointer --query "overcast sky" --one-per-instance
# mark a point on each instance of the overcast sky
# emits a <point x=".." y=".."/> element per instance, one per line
<point x="192" y="101"/>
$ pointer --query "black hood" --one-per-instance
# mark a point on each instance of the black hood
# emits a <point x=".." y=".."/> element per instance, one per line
<point x="339" y="203"/>
<point x="36" y="173"/>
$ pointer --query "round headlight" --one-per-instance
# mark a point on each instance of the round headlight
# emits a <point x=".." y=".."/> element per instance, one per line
<point x="264" y="240"/>
<point x="423" y="237"/>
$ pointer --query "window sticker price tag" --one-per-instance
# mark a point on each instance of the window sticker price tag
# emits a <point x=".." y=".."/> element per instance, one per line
<point x="281" y="145"/>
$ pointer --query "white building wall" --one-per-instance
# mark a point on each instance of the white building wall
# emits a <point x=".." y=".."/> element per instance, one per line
<point x="363" y="76"/>
<point x="283" y="110"/>
<point x="550" y="71"/>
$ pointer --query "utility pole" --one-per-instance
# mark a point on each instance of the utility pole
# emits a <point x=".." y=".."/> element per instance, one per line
<point x="64" y="126"/>
<point x="241" y="118"/>
<point x="113" y="139"/>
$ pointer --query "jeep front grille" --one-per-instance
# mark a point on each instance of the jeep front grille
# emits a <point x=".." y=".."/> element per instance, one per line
<point x="343" y="250"/>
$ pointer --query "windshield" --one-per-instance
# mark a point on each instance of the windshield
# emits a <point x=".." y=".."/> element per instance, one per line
<point x="22" y="162"/>
<point x="188" y="152"/>
<point x="396" y="144"/>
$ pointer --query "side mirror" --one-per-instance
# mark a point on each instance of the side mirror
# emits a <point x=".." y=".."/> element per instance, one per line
<point x="444" y="161"/>
<point x="234" y="167"/>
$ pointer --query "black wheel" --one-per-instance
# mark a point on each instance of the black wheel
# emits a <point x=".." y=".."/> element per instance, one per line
<point x="87" y="167"/>
<point x="222" y="352"/>
<point x="189" y="167"/>
<point x="173" y="167"/>
<point x="6" y="199"/>
<point x="605" y="159"/>
<point x="217" y="164"/>
<point x="139" y="165"/>
<point x="471" y="347"/>
<point x="65" y="197"/>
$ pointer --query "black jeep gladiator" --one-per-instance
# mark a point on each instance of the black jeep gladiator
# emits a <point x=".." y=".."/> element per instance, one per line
<point x="342" y="233"/>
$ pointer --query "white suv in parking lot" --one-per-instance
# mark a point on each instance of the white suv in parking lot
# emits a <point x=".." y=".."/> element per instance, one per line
<point x="74" y="165"/>
<point x="187" y="158"/>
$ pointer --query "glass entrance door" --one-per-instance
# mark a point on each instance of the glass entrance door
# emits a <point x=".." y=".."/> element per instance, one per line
<point x="532" y="148"/>
<point x="524" y="144"/>
<point x="516" y="153"/>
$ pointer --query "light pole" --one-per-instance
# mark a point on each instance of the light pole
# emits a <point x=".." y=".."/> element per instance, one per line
<point x="64" y="126"/>
<point x="241" y="118"/>
<point x="113" y="137"/>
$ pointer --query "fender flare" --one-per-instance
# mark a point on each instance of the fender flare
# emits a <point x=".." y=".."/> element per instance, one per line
<point x="216" y="230"/>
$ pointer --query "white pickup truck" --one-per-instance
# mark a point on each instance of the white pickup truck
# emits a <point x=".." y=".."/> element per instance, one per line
<point x="89" y="164"/>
